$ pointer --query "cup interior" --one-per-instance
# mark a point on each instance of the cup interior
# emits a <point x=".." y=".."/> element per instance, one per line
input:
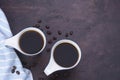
<point x="68" y="47"/>
<point x="31" y="41"/>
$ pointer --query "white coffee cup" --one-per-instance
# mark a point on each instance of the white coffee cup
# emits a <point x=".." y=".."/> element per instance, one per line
<point x="53" y="66"/>
<point x="14" y="41"/>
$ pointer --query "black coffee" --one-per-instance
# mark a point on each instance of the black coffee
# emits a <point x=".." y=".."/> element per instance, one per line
<point x="66" y="55"/>
<point x="31" y="42"/>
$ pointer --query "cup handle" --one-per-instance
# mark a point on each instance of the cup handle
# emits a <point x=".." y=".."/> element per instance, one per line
<point x="11" y="42"/>
<point x="52" y="67"/>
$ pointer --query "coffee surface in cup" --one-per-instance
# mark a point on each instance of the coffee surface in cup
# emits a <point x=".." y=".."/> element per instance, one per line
<point x="31" y="42"/>
<point x="66" y="55"/>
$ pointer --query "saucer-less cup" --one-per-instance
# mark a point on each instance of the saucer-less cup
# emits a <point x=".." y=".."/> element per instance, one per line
<point x="14" y="41"/>
<point x="53" y="65"/>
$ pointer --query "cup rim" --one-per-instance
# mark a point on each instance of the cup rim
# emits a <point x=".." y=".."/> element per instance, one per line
<point x="73" y="44"/>
<point x="33" y="29"/>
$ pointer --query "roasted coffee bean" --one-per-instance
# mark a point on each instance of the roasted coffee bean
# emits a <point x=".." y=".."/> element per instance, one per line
<point x="71" y="32"/>
<point x="14" y="67"/>
<point x="47" y="27"/>
<point x="13" y="71"/>
<point x="66" y="35"/>
<point x="37" y="25"/>
<point x="54" y="38"/>
<point x="50" y="42"/>
<point x="17" y="72"/>
<point x="49" y="33"/>
<point x="59" y="32"/>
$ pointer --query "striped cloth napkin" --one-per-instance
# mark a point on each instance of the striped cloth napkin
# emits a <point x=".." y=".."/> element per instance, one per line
<point x="10" y="65"/>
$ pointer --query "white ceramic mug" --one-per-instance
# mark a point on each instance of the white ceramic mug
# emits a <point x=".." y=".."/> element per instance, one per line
<point x="14" y="41"/>
<point x="53" y="66"/>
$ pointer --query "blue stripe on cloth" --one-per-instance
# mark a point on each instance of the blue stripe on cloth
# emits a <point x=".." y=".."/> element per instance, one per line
<point x="8" y="57"/>
<point x="10" y="63"/>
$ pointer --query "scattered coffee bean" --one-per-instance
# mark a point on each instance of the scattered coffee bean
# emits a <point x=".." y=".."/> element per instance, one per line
<point x="14" y="67"/>
<point x="59" y="32"/>
<point x="54" y="38"/>
<point x="47" y="27"/>
<point x="37" y="25"/>
<point x="71" y="32"/>
<point x="13" y="71"/>
<point x="66" y="35"/>
<point x="49" y="33"/>
<point x="39" y="21"/>
<point x="48" y="49"/>
<point x="17" y="72"/>
<point x="50" y="42"/>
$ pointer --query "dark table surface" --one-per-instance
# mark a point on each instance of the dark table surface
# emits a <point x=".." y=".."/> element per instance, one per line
<point x="96" y="29"/>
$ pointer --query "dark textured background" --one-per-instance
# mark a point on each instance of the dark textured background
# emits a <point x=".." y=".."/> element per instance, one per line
<point x="96" y="27"/>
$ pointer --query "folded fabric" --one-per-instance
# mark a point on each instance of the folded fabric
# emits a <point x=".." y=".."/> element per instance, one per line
<point x="10" y="65"/>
